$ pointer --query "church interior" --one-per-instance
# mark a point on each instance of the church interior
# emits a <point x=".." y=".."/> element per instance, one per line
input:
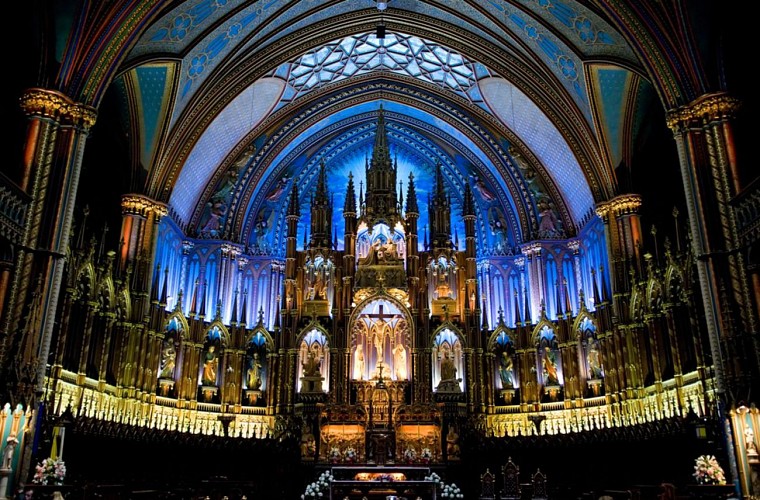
<point x="370" y="249"/>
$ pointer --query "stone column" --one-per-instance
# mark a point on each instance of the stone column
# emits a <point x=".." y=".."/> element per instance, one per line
<point x="706" y="149"/>
<point x="622" y="230"/>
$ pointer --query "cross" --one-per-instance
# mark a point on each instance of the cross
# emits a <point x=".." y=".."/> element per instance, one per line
<point x="381" y="316"/>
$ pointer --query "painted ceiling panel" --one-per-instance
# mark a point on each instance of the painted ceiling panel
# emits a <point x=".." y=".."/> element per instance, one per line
<point x="221" y="137"/>
<point x="611" y="92"/>
<point x="154" y="83"/>
<point x="526" y="120"/>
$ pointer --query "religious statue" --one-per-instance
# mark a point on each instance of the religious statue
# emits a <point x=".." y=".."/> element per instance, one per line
<point x="311" y="365"/>
<point x="505" y="370"/>
<point x="749" y="441"/>
<point x="254" y="373"/>
<point x="594" y="362"/>
<point x="498" y="225"/>
<point x="359" y="362"/>
<point x="308" y="443"/>
<point x="448" y="369"/>
<point x="550" y="367"/>
<point x="452" y="444"/>
<point x="168" y="359"/>
<point x="8" y="451"/>
<point x="399" y="361"/>
<point x="379" y="334"/>
<point x="210" y="366"/>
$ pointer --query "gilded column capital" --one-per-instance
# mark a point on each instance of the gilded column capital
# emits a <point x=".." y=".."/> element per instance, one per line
<point x="620" y="205"/>
<point x="141" y="205"/>
<point x="531" y="249"/>
<point x="707" y="108"/>
<point x="55" y="105"/>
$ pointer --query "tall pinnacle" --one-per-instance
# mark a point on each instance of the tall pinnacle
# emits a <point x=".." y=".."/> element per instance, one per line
<point x="411" y="196"/>
<point x="294" y="207"/>
<point x="468" y="207"/>
<point x="350" y="203"/>
<point x="380" y="203"/>
<point x="380" y="152"/>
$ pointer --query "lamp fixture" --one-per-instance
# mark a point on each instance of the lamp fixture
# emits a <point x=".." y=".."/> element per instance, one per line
<point x="382" y="4"/>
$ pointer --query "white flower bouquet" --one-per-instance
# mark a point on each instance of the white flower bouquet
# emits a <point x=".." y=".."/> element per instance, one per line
<point x="410" y="455"/>
<point x="319" y="488"/>
<point x="50" y="471"/>
<point x="451" y="491"/>
<point x="433" y="477"/>
<point x="426" y="455"/>
<point x="708" y="471"/>
<point x="335" y="455"/>
<point x="350" y="455"/>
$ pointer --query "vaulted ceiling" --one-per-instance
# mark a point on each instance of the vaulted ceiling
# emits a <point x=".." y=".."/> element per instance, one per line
<point x="533" y="103"/>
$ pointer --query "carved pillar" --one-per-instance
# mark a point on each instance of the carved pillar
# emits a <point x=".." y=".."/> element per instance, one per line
<point x="622" y="230"/>
<point x="55" y="140"/>
<point x="706" y="149"/>
<point x="139" y="231"/>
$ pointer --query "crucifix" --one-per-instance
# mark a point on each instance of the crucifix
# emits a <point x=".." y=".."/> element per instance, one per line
<point x="380" y="330"/>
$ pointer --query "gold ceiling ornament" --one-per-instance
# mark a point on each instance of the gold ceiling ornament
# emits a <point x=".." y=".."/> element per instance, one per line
<point x="707" y="108"/>
<point x="141" y="205"/>
<point x="55" y="105"/>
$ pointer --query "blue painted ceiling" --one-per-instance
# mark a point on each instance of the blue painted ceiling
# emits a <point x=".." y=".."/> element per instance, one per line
<point x="258" y="84"/>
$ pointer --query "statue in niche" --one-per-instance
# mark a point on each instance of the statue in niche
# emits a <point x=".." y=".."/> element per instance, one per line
<point x="210" y="366"/>
<point x="441" y="271"/>
<point x="550" y="367"/>
<point x="312" y="364"/>
<point x="594" y="361"/>
<point x="399" y="361"/>
<point x="448" y="368"/>
<point x="452" y="444"/>
<point x="498" y="225"/>
<point x="317" y="276"/>
<point x="506" y="367"/>
<point x="168" y="359"/>
<point x="359" y="362"/>
<point x="253" y="379"/>
<point x="308" y="442"/>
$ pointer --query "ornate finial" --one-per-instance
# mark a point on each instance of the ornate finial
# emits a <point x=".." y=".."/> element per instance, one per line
<point x="261" y="315"/>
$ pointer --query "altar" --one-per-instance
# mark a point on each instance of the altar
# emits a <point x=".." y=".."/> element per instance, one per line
<point x="359" y="482"/>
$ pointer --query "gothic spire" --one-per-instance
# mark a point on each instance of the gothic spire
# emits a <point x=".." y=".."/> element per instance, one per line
<point x="411" y="196"/>
<point x="381" y="155"/>
<point x="293" y="207"/>
<point x="380" y="203"/>
<point x="350" y="203"/>
<point x="468" y="206"/>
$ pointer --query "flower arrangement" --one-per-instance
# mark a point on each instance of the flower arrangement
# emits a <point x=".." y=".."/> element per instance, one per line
<point x="433" y="477"/>
<point x="335" y="454"/>
<point x="451" y="491"/>
<point x="708" y="471"/>
<point x="350" y="455"/>
<point x="319" y="488"/>
<point x="426" y="455"/>
<point x="410" y="455"/>
<point x="50" y="471"/>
